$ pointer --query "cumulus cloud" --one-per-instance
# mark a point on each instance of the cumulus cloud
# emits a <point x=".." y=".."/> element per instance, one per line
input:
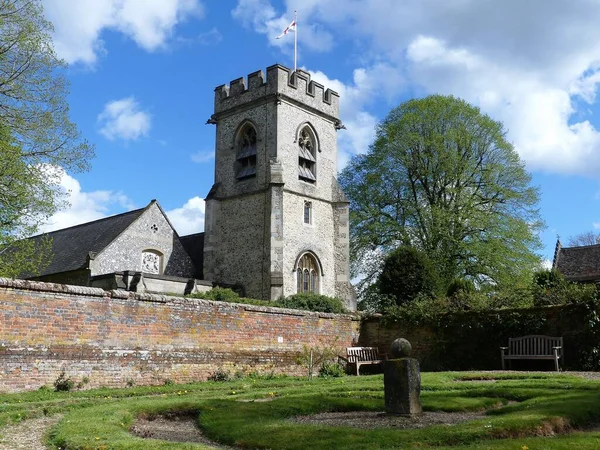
<point x="124" y="119"/>
<point x="88" y="206"/>
<point x="381" y="82"/>
<point x="189" y="218"/>
<point x="260" y="16"/>
<point x="82" y="206"/>
<point x="79" y="24"/>
<point x="533" y="65"/>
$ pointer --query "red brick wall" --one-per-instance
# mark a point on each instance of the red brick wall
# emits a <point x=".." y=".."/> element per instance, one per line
<point x="112" y="337"/>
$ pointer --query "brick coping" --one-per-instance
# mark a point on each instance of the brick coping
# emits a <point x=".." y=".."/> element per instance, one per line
<point x="118" y="294"/>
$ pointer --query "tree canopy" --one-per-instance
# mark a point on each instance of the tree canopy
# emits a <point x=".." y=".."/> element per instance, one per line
<point x="37" y="138"/>
<point x="587" y="238"/>
<point x="442" y="177"/>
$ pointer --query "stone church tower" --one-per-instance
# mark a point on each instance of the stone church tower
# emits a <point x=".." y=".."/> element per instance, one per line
<point x="276" y="220"/>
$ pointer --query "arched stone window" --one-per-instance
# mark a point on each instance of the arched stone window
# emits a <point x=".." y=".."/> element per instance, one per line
<point x="307" y="274"/>
<point x="246" y="153"/>
<point x="307" y="156"/>
<point x="152" y="262"/>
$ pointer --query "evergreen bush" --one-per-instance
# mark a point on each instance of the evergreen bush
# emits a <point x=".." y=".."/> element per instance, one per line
<point x="406" y="273"/>
<point x="312" y="302"/>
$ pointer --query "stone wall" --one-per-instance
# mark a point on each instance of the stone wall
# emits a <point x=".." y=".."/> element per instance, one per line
<point x="116" y="337"/>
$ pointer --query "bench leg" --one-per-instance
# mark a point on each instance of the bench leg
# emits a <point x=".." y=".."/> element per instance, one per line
<point x="357" y="369"/>
<point x="502" y="362"/>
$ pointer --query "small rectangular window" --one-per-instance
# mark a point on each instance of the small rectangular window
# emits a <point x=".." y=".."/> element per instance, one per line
<point x="307" y="213"/>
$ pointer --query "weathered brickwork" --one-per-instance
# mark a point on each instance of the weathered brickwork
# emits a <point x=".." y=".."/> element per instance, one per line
<point x="113" y="337"/>
<point x="255" y="231"/>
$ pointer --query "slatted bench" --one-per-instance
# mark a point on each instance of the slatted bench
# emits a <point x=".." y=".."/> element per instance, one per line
<point x="533" y="347"/>
<point x="360" y="356"/>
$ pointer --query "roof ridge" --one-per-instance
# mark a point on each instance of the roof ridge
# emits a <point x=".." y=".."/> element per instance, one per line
<point x="581" y="246"/>
<point x="88" y="223"/>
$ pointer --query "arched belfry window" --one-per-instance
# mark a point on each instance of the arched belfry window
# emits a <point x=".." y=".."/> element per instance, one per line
<point x="152" y="262"/>
<point x="307" y="156"/>
<point x="246" y="152"/>
<point x="307" y="273"/>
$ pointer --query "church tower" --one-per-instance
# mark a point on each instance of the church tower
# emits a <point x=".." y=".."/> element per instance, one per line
<point x="276" y="220"/>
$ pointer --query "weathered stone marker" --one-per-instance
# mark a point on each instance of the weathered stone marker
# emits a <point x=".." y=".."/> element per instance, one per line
<point x="402" y="381"/>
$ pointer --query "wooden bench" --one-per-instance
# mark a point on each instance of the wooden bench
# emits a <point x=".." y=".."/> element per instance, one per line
<point x="360" y="356"/>
<point x="533" y="347"/>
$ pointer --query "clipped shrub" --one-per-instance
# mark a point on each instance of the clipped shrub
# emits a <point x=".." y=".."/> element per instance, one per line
<point x="221" y="294"/>
<point x="63" y="383"/>
<point x="406" y="273"/>
<point x="312" y="302"/>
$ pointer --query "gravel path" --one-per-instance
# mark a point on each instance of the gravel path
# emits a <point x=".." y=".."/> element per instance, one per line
<point x="173" y="428"/>
<point x="27" y="435"/>
<point x="370" y="419"/>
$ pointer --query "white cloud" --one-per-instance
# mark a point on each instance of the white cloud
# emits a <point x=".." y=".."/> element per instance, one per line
<point x="123" y="119"/>
<point x="203" y="156"/>
<point x="189" y="218"/>
<point x="377" y="83"/>
<point x="88" y="206"/>
<point x="260" y="16"/>
<point x="534" y="66"/>
<point x="79" y="24"/>
<point x="83" y="206"/>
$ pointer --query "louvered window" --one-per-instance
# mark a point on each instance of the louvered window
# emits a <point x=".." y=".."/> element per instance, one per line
<point x="246" y="155"/>
<point x="307" y="160"/>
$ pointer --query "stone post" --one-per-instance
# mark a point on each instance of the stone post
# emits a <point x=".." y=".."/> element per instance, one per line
<point x="402" y="381"/>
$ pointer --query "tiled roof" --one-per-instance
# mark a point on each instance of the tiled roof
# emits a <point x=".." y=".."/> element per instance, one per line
<point x="71" y="246"/>
<point x="579" y="263"/>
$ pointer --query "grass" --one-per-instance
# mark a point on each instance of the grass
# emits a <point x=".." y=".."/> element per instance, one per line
<point x="534" y="411"/>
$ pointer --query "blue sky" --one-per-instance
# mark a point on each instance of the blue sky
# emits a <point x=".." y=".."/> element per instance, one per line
<point x="143" y="74"/>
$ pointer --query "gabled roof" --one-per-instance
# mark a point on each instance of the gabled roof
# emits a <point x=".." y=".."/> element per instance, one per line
<point x="578" y="263"/>
<point x="71" y="246"/>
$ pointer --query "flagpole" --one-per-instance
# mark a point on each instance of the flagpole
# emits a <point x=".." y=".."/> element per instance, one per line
<point x="295" y="39"/>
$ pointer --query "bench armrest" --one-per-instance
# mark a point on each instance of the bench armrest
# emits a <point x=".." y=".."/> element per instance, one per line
<point x="557" y="348"/>
<point x="342" y="358"/>
<point x="503" y="348"/>
<point x="383" y="356"/>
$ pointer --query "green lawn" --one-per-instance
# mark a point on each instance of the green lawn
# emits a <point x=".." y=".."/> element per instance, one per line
<point x="534" y="411"/>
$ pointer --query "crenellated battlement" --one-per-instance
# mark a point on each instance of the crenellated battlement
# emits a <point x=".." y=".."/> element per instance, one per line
<point x="280" y="81"/>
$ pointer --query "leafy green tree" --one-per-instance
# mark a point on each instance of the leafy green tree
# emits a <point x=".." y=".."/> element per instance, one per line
<point x="441" y="177"/>
<point x="37" y="138"/>
<point x="27" y="198"/>
<point x="406" y="274"/>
